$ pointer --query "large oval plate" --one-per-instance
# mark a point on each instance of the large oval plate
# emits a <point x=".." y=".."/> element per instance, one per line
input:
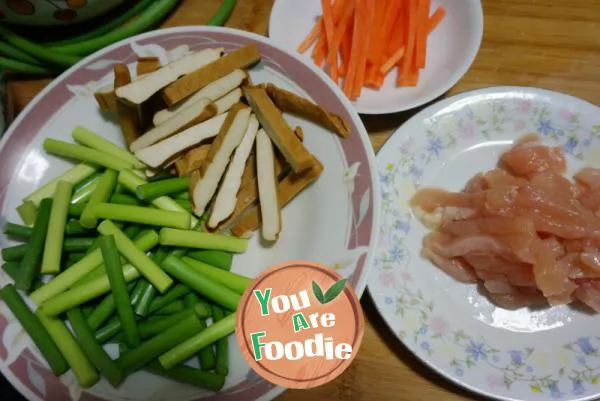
<point x="333" y="222"/>
<point x="510" y="355"/>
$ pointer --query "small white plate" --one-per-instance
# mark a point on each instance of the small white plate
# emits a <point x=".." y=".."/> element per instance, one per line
<point x="549" y="353"/>
<point x="451" y="49"/>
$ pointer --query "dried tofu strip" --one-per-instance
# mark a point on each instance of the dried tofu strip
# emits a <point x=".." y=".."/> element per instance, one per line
<point x="304" y="108"/>
<point x="226" y="102"/>
<point x="163" y="151"/>
<point x="197" y="113"/>
<point x="127" y="114"/>
<point x="287" y="189"/>
<point x="227" y="195"/>
<point x="213" y="167"/>
<point x="192" y="159"/>
<point x="141" y="90"/>
<point x="212" y="91"/>
<point x="278" y="129"/>
<point x="267" y="187"/>
<point x="107" y="100"/>
<point x="146" y="65"/>
<point x="203" y="76"/>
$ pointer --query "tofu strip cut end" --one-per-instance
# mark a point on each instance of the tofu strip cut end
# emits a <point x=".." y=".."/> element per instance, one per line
<point x="226" y="197"/>
<point x="194" y="114"/>
<point x="226" y="102"/>
<point x="212" y="91"/>
<point x="159" y="153"/>
<point x="215" y="164"/>
<point x="142" y="89"/>
<point x="267" y="187"/>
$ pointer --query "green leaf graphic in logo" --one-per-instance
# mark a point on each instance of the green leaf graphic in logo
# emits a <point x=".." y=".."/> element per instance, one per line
<point x="318" y="293"/>
<point x="331" y="294"/>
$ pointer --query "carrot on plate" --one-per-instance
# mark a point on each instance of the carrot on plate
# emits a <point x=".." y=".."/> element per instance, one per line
<point x="365" y="11"/>
<point x="423" y="7"/>
<point x="408" y="70"/>
<point x="437" y="17"/>
<point x="312" y="36"/>
<point x="339" y="34"/>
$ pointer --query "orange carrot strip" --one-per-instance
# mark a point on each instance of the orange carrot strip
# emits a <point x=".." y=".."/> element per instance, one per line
<point x="341" y="30"/>
<point x="392" y="61"/>
<point x="328" y="21"/>
<point x="320" y="51"/>
<point x="312" y="36"/>
<point x="366" y="8"/>
<point x="376" y="42"/>
<point x="377" y="82"/>
<point x="353" y="53"/>
<point x="435" y="18"/>
<point x="396" y="37"/>
<point x="407" y="62"/>
<point x="346" y="45"/>
<point x="423" y="7"/>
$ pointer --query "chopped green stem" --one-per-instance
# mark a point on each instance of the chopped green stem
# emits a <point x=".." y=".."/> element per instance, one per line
<point x="83" y="153"/>
<point x="83" y="190"/>
<point x="162" y="174"/>
<point x="53" y="247"/>
<point x="17" y="54"/>
<point x="157" y="345"/>
<point x="205" y="286"/>
<point x="83" y="293"/>
<point x="75" y="257"/>
<point x="93" y="350"/>
<point x="202" y="308"/>
<point x="76" y="209"/>
<point x="142" y="307"/>
<point x="108" y="331"/>
<point x="75" y="175"/>
<point x="13" y="269"/>
<point x="150" y="270"/>
<point x="233" y="281"/>
<point x="78" y="244"/>
<point x="104" y="310"/>
<point x="176" y="292"/>
<point x="83" y="268"/>
<point x="74" y="228"/>
<point x="222" y="260"/>
<point x="136" y="292"/>
<point x="195" y="239"/>
<point x="222" y="345"/>
<point x="222" y="13"/>
<point x="17" y="230"/>
<point x="170" y="308"/>
<point x="142" y="215"/>
<point x="132" y="231"/>
<point x="32" y="325"/>
<point x="130" y="180"/>
<point x="155" y="189"/>
<point x="186" y="204"/>
<point x="155" y="325"/>
<point x="124" y="199"/>
<point x="183" y="195"/>
<point x="30" y="264"/>
<point x="14" y="253"/>
<point x="101" y="194"/>
<point x="186" y="349"/>
<point x="206" y="356"/>
<point x="86" y="137"/>
<point x="82" y="368"/>
<point x="27" y="211"/>
<point x="188" y="375"/>
<point x="118" y="286"/>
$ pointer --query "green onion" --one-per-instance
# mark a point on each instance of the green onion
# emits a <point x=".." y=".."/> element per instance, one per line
<point x="32" y="259"/>
<point x="94" y="351"/>
<point x="220" y="259"/>
<point x="142" y="215"/>
<point x="114" y="271"/>
<point x="208" y="288"/>
<point x="74" y="176"/>
<point x="222" y="345"/>
<point x="108" y="331"/>
<point x="195" y="239"/>
<point x="77" y="244"/>
<point x="186" y="204"/>
<point x="176" y="292"/>
<point x="183" y="195"/>
<point x="233" y="281"/>
<point x="150" y="270"/>
<point x="188" y="375"/>
<point x="102" y="193"/>
<point x="206" y="356"/>
<point x="13" y="269"/>
<point x="186" y="349"/>
<point x="104" y="310"/>
<point x="86" y="137"/>
<point x="32" y="325"/>
<point x="83" y="191"/>
<point x="16" y="54"/>
<point x="152" y="348"/>
<point x="76" y="209"/>
<point x="74" y="228"/>
<point x="21" y="67"/>
<point x="155" y="189"/>
<point x="173" y="307"/>
<point x="75" y="257"/>
<point x="53" y="246"/>
<point x="14" y="253"/>
<point x="132" y="231"/>
<point x="124" y="199"/>
<point x="222" y="13"/>
<point x="155" y="325"/>
<point x="142" y="307"/>
<point x="27" y="211"/>
<point x="17" y="230"/>
<point x="82" y="368"/>
<point x="83" y="268"/>
<point x="83" y="153"/>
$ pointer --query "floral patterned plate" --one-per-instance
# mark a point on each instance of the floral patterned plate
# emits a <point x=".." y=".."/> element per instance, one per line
<point x="333" y="222"/>
<point x="511" y="355"/>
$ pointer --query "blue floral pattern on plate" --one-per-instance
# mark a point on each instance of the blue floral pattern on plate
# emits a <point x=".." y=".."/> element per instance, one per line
<point x="524" y="354"/>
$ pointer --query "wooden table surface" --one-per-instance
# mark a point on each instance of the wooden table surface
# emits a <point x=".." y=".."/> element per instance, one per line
<point x="552" y="44"/>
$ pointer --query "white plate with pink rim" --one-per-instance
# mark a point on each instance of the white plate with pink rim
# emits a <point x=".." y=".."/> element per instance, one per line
<point x="451" y="49"/>
<point x="333" y="222"/>
<point x="548" y="353"/>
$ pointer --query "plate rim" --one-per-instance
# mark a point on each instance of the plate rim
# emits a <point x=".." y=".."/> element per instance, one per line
<point x="435" y="94"/>
<point x="431" y="110"/>
<point x="362" y="131"/>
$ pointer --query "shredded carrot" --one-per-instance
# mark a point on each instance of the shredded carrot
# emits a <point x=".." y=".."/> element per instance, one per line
<point x="312" y="36"/>
<point x="436" y="18"/>
<point x="363" y="41"/>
